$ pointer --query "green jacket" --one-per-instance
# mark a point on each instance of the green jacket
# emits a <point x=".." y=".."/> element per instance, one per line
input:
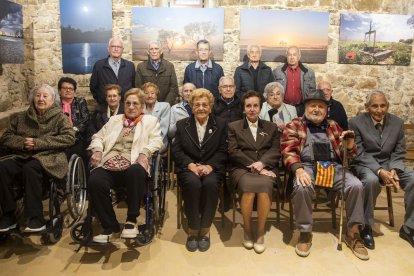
<point x="52" y="135"/>
<point x="165" y="78"/>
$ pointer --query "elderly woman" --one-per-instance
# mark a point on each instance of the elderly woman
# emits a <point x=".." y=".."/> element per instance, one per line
<point x="158" y="109"/>
<point x="102" y="113"/>
<point x="274" y="109"/>
<point x="182" y="109"/>
<point x="121" y="150"/>
<point x="254" y="152"/>
<point x="199" y="151"/>
<point x="37" y="139"/>
<point x="76" y="109"/>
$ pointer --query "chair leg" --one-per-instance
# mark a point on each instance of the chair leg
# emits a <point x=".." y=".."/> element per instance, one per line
<point x="277" y="207"/>
<point x="291" y="214"/>
<point x="390" y="207"/>
<point x="222" y="204"/>
<point x="333" y="208"/>
<point x="178" y="207"/>
<point x="234" y="208"/>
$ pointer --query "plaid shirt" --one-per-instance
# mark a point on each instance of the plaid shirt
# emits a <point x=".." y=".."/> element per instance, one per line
<point x="294" y="138"/>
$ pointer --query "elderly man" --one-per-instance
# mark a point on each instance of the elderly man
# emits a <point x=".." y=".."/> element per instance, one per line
<point x="112" y="70"/>
<point x="336" y="110"/>
<point x="381" y="153"/>
<point x="253" y="74"/>
<point x="182" y="109"/>
<point x="204" y="73"/>
<point x="274" y="110"/>
<point x="227" y="105"/>
<point x="158" y="71"/>
<point x="312" y="147"/>
<point x="296" y="78"/>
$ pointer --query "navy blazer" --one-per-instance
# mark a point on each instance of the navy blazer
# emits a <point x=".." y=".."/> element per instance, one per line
<point x="212" y="151"/>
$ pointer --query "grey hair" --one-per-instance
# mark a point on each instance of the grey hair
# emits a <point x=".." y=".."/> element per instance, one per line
<point x="375" y="93"/>
<point x="294" y="47"/>
<point x="225" y="78"/>
<point x="272" y="86"/>
<point x="115" y="38"/>
<point x="187" y="83"/>
<point x="249" y="48"/>
<point x="156" y="42"/>
<point x="52" y="93"/>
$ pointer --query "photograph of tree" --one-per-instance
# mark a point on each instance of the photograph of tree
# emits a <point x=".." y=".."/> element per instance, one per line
<point x="86" y="28"/>
<point x="376" y="39"/>
<point x="178" y="30"/>
<point x="275" y="30"/>
<point x="11" y="33"/>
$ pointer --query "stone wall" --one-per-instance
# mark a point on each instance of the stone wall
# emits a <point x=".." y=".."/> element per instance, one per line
<point x="43" y="58"/>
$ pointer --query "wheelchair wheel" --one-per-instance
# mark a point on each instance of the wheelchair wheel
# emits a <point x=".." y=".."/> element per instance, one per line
<point x="55" y="223"/>
<point x="159" y="192"/>
<point x="76" y="187"/>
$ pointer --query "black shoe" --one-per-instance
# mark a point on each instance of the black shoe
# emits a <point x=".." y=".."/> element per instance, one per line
<point x="191" y="243"/>
<point x="366" y="235"/>
<point x="35" y="225"/>
<point x="407" y="236"/>
<point x="204" y="243"/>
<point x="7" y="223"/>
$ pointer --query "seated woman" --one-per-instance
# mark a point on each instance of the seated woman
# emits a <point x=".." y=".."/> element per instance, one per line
<point x="102" y="113"/>
<point x="37" y="139"/>
<point x="254" y="152"/>
<point x="158" y="109"/>
<point x="274" y="110"/>
<point x="199" y="151"/>
<point x="181" y="110"/>
<point x="76" y="109"/>
<point x="121" y="150"/>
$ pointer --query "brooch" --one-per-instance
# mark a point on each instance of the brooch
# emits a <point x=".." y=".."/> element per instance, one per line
<point x="210" y="131"/>
<point x="263" y="133"/>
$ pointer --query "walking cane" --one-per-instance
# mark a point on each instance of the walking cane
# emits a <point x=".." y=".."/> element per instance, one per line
<point x="344" y="167"/>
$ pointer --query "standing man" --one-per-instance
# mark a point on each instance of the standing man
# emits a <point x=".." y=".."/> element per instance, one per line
<point x="336" y="110"/>
<point x="381" y="153"/>
<point x="158" y="71"/>
<point x="253" y="74"/>
<point x="204" y="73"/>
<point x="112" y="70"/>
<point x="296" y="78"/>
<point x="312" y="143"/>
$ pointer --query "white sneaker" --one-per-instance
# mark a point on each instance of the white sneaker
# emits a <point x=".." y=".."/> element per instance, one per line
<point x="102" y="238"/>
<point x="130" y="231"/>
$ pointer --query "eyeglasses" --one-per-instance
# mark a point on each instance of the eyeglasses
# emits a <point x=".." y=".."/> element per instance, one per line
<point x="227" y="86"/>
<point x="188" y="90"/>
<point x="203" y="105"/>
<point x="70" y="89"/>
<point x="116" y="47"/>
<point x="274" y="94"/>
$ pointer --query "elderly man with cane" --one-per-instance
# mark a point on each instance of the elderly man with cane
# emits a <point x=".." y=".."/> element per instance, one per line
<point x="312" y="148"/>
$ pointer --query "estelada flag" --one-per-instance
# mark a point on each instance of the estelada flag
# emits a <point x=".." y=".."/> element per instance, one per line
<point x="325" y="172"/>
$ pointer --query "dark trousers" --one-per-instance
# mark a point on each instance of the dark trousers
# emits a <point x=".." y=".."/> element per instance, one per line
<point x="101" y="181"/>
<point x="28" y="173"/>
<point x="200" y="196"/>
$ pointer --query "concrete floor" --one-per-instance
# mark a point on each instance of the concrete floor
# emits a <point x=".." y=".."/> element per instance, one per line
<point x="167" y="255"/>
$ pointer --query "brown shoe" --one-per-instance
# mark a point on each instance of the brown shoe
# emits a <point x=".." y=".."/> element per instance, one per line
<point x="304" y="244"/>
<point x="356" y="244"/>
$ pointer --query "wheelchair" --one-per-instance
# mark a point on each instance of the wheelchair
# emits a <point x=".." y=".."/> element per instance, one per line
<point x="72" y="188"/>
<point x="153" y="203"/>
